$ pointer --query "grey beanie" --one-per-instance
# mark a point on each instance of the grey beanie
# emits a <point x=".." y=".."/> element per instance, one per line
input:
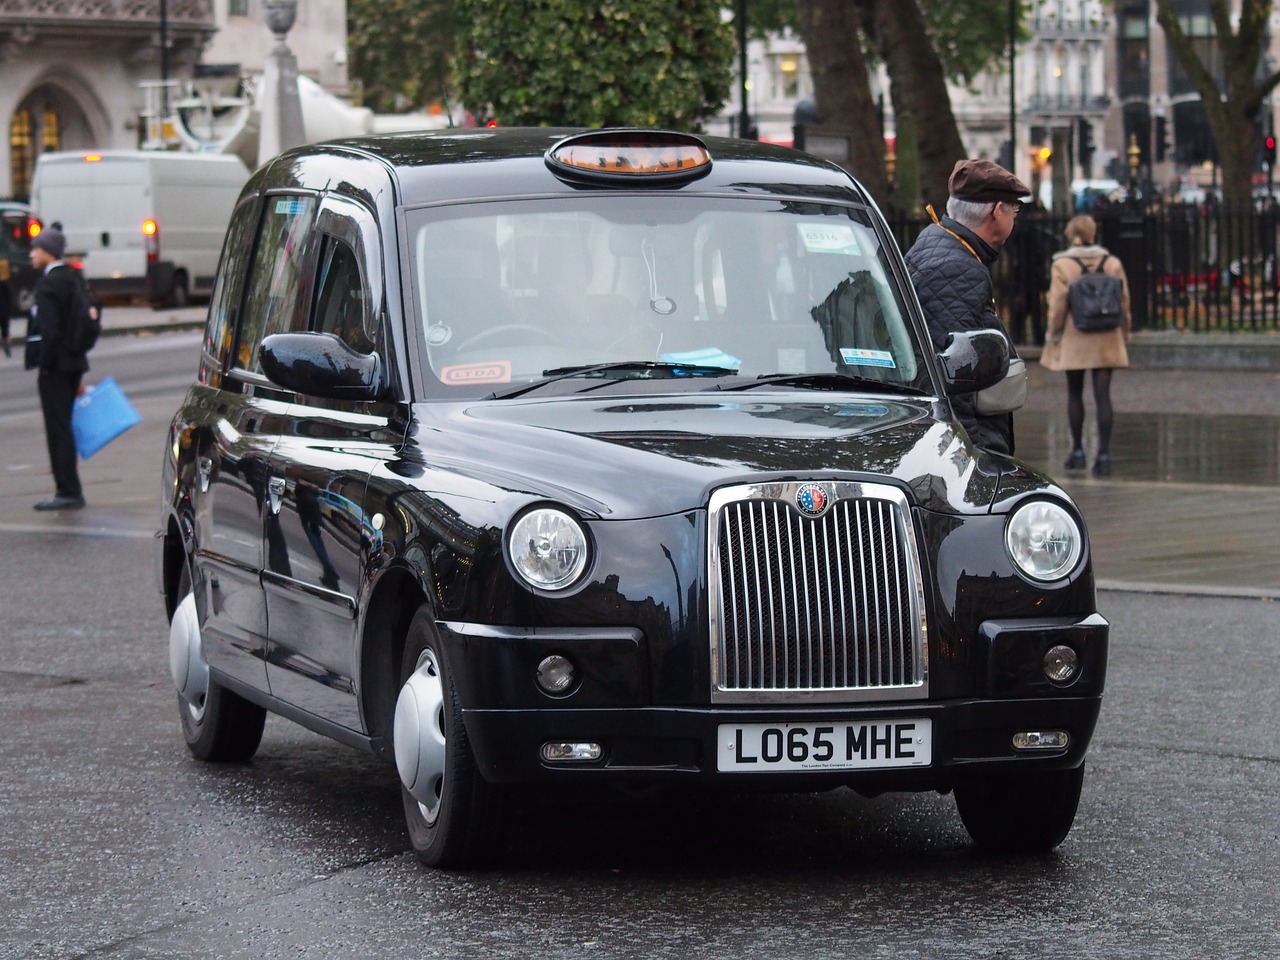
<point x="51" y="240"/>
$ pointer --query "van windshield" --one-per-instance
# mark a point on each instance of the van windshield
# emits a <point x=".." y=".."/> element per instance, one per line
<point x="510" y="293"/>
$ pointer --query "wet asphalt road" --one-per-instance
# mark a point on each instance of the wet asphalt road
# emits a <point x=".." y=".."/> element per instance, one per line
<point x="114" y="843"/>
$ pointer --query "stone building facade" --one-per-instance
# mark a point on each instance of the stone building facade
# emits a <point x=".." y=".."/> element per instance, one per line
<point x="74" y="73"/>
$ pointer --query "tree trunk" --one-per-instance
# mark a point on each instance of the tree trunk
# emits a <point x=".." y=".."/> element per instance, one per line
<point x="919" y="88"/>
<point x="1230" y="112"/>
<point x="842" y="87"/>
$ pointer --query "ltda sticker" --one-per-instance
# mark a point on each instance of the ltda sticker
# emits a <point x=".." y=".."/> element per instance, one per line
<point x="495" y="371"/>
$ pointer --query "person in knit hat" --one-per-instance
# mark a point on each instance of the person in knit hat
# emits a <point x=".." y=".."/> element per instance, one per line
<point x="59" y="369"/>
<point x="51" y="240"/>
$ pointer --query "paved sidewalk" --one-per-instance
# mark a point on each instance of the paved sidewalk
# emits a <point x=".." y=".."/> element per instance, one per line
<point x="1193" y="502"/>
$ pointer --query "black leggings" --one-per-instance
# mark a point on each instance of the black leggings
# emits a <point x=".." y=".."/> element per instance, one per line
<point x="1102" y="400"/>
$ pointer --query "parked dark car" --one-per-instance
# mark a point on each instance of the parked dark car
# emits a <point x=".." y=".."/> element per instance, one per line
<point x="17" y="277"/>
<point x="531" y="457"/>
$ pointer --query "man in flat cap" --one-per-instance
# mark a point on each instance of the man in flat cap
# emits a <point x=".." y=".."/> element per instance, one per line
<point x="950" y="266"/>
<point x="60" y="369"/>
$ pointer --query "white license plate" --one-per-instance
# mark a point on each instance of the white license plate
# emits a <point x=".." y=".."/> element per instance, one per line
<point x="825" y="745"/>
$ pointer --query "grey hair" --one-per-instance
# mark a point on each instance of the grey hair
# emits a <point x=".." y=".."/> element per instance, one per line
<point x="970" y="213"/>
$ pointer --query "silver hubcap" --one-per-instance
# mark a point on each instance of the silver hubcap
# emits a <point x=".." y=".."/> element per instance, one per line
<point x="187" y="665"/>
<point x="419" y="735"/>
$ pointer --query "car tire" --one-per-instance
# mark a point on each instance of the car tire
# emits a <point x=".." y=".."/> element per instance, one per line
<point x="1020" y="813"/>
<point x="218" y="725"/>
<point x="459" y="824"/>
<point x="179" y="296"/>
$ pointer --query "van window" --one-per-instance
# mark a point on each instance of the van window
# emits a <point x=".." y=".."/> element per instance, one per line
<point x="225" y="300"/>
<point x="278" y="281"/>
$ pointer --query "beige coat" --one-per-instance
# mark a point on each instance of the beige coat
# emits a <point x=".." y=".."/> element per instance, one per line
<point x="1077" y="350"/>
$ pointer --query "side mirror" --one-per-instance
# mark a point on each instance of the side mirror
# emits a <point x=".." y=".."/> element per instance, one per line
<point x="973" y="360"/>
<point x="321" y="365"/>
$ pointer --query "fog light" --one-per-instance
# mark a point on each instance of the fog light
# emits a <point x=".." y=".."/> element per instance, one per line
<point x="1041" y="740"/>
<point x="557" y="675"/>
<point x="1061" y="665"/>
<point x="571" y="752"/>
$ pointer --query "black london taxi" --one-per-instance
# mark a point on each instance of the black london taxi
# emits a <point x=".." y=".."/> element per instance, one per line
<point x="530" y="458"/>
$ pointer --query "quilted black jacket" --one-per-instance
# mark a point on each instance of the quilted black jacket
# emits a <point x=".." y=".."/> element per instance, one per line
<point x="954" y="288"/>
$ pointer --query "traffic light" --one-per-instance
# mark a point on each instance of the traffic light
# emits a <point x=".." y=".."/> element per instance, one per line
<point x="1269" y="149"/>
<point x="1162" y="138"/>
<point x="1084" y="152"/>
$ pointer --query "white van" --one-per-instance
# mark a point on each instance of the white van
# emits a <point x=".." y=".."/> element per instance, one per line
<point x="142" y="223"/>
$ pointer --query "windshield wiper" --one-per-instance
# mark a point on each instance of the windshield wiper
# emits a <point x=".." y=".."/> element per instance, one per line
<point x="820" y="381"/>
<point x="617" y="370"/>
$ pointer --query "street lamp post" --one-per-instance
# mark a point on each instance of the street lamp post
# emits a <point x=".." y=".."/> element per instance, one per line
<point x="280" y="125"/>
<point x="1135" y="158"/>
<point x="1013" y="86"/>
<point x="744" y="115"/>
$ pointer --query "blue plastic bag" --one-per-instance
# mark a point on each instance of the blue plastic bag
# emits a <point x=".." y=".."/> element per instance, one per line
<point x="100" y="415"/>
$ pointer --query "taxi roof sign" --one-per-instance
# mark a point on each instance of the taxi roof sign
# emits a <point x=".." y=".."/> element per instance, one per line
<point x="630" y="156"/>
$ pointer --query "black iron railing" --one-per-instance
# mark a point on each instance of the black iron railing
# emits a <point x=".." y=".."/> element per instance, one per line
<point x="1194" y="268"/>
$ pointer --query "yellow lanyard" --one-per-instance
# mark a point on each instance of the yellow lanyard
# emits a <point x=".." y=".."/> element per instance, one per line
<point x="967" y="245"/>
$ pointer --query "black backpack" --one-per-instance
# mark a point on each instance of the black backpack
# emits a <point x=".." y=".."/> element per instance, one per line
<point x="84" y="323"/>
<point x="1096" y="299"/>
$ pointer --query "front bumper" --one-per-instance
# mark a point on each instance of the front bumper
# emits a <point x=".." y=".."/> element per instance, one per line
<point x="508" y="720"/>
<point x="658" y="744"/>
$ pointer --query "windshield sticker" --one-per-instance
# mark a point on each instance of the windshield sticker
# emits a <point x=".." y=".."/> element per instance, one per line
<point x="706" y="357"/>
<point x="291" y="208"/>
<point x="829" y="238"/>
<point x="866" y="358"/>
<point x="496" y="371"/>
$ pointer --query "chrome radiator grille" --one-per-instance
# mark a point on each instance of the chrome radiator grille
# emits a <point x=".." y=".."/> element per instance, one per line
<point x="825" y="607"/>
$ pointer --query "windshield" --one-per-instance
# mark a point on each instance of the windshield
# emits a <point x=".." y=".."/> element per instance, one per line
<point x="671" y="289"/>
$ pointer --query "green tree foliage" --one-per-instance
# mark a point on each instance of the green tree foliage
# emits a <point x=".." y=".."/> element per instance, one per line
<point x="399" y="51"/>
<point x="660" y="63"/>
<point x="971" y="35"/>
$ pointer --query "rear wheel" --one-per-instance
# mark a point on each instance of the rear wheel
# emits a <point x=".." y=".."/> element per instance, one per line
<point x="180" y="296"/>
<point x="216" y="723"/>
<point x="1020" y="813"/>
<point x="454" y="816"/>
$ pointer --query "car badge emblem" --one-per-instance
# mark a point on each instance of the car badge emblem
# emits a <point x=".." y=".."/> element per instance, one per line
<point x="812" y="500"/>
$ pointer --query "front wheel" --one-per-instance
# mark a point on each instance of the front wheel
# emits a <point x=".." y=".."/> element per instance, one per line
<point x="216" y="723"/>
<point x="454" y="816"/>
<point x="1020" y="813"/>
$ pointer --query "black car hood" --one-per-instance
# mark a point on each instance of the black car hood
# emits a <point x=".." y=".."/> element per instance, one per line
<point x="633" y="457"/>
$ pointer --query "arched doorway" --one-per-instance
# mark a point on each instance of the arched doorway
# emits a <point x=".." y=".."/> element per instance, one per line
<point x="48" y="118"/>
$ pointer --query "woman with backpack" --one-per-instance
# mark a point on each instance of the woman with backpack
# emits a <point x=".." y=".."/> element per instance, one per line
<point x="1089" y="325"/>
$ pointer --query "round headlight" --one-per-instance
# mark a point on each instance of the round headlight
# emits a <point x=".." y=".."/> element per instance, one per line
<point x="548" y="549"/>
<point x="1044" y="540"/>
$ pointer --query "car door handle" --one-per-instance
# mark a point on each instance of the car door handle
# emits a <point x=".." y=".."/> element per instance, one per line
<point x="275" y="493"/>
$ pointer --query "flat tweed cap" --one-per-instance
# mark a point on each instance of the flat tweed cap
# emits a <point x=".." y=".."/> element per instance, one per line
<point x="986" y="182"/>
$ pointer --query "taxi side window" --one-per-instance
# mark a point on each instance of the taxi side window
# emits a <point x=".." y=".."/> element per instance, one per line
<point x="227" y="290"/>
<point x="341" y="307"/>
<point x="278" y="281"/>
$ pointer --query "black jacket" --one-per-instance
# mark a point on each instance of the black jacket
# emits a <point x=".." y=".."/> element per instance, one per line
<point x="53" y="294"/>
<point x="955" y="291"/>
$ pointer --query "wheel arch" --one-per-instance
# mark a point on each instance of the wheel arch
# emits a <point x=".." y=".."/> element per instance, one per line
<point x="391" y="606"/>
<point x="174" y="554"/>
